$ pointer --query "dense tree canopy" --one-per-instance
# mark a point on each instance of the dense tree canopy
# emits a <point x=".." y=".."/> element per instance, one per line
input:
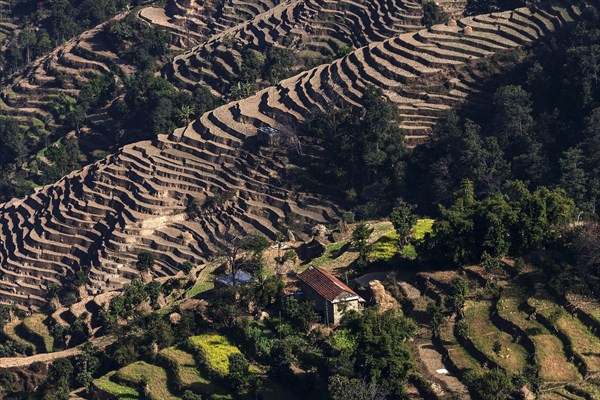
<point x="365" y="152"/>
<point x="382" y="354"/>
<point x="513" y="221"/>
<point x="540" y="139"/>
<point x="433" y="14"/>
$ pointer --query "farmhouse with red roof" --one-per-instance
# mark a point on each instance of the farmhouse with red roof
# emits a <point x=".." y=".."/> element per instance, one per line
<point x="331" y="296"/>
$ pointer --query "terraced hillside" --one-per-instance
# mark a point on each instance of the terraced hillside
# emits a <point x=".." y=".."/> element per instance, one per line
<point x="101" y="217"/>
<point x="507" y="324"/>
<point x="7" y="26"/>
<point x="29" y="94"/>
<point x="176" y="369"/>
<point x="31" y="97"/>
<point x="315" y="30"/>
<point x="192" y="21"/>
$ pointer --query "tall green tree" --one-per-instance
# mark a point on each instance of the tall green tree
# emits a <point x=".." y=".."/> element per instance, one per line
<point x="459" y="290"/>
<point x="433" y="14"/>
<point x="403" y="219"/>
<point x="513" y="221"/>
<point x="145" y="261"/>
<point x="573" y="175"/>
<point x="360" y="240"/>
<point x="382" y="354"/>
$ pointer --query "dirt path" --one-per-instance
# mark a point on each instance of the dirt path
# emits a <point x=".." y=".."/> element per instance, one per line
<point x="431" y="360"/>
<point x="10" y="362"/>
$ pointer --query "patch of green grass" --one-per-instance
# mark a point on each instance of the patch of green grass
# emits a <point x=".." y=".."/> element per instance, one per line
<point x="583" y="342"/>
<point x="422" y="227"/>
<point x="200" y="287"/>
<point x="484" y="335"/>
<point x="217" y="349"/>
<point x="188" y="372"/>
<point x="35" y="326"/>
<point x="11" y="334"/>
<point x="105" y="384"/>
<point x="42" y="152"/>
<point x="409" y="251"/>
<point x="141" y="373"/>
<point x="344" y="340"/>
<point x="330" y="254"/>
<point x="549" y="354"/>
<point x="386" y="247"/>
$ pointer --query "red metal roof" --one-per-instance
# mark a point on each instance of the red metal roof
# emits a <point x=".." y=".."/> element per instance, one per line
<point x="327" y="285"/>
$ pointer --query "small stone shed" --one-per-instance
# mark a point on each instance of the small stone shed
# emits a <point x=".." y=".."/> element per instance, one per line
<point x="268" y="136"/>
<point x="331" y="296"/>
<point x="241" y="278"/>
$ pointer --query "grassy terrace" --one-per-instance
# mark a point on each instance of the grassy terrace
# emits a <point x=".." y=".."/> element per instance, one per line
<point x="422" y="227"/>
<point x="591" y="388"/>
<point x="588" y="306"/>
<point x="188" y="373"/>
<point x="484" y="334"/>
<point x="35" y="326"/>
<point x="217" y="350"/>
<point x="330" y="254"/>
<point x="11" y="334"/>
<point x="107" y="384"/>
<point x="564" y="13"/>
<point x="199" y="287"/>
<point x="141" y="373"/>
<point x="386" y="247"/>
<point x="583" y="342"/>
<point x="549" y="353"/>
<point x="458" y="355"/>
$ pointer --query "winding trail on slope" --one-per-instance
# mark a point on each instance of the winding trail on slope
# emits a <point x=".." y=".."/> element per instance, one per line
<point x="12" y="362"/>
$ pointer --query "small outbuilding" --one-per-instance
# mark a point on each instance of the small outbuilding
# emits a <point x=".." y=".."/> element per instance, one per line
<point x="241" y="278"/>
<point x="332" y="297"/>
<point x="268" y="136"/>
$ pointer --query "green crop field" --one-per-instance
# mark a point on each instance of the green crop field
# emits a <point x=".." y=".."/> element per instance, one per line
<point x="386" y="247"/>
<point x="583" y="342"/>
<point x="421" y="228"/>
<point x="485" y="335"/>
<point x="330" y="253"/>
<point x="189" y="375"/>
<point x="549" y="354"/>
<point x="140" y="373"/>
<point x="34" y="324"/>
<point x="123" y="392"/>
<point x="217" y="350"/>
